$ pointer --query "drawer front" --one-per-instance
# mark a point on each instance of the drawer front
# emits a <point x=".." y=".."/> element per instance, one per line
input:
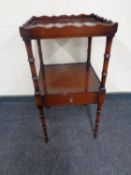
<point x="70" y="99"/>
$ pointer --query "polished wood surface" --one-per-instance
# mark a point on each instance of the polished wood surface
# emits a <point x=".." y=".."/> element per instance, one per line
<point x="68" y="78"/>
<point x="68" y="84"/>
<point x="67" y="26"/>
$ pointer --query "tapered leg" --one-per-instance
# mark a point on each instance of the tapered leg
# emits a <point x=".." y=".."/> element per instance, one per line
<point x="43" y="122"/>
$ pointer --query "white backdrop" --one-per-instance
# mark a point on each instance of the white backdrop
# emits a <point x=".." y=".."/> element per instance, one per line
<point x="15" y="77"/>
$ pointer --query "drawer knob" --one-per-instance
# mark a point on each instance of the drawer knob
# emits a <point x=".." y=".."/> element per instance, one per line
<point x="71" y="100"/>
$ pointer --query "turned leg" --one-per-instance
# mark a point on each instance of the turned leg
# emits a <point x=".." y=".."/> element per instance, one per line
<point x="102" y="91"/>
<point x="43" y="122"/>
<point x="101" y="99"/>
<point x="38" y="98"/>
<point x="40" y="53"/>
<point x="98" y="115"/>
<point x="89" y="51"/>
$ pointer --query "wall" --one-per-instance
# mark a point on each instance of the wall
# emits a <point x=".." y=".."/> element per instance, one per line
<point x="15" y="77"/>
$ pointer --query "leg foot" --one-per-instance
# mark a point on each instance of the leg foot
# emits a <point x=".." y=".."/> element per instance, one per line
<point x="43" y="122"/>
<point x="98" y="114"/>
<point x="46" y="139"/>
<point x="95" y="135"/>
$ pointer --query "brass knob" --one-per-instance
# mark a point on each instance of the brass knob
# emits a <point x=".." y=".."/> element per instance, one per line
<point x="71" y="100"/>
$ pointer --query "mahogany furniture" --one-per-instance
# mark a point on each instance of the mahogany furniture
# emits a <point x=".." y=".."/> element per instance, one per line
<point x="57" y="84"/>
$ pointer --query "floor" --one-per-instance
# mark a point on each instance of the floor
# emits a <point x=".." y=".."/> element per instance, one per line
<point x="71" y="150"/>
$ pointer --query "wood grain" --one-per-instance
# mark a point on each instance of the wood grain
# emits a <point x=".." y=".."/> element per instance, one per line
<point x="68" y="84"/>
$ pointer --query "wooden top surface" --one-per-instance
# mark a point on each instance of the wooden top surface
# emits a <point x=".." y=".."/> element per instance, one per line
<point x="67" y="26"/>
<point x="64" y="20"/>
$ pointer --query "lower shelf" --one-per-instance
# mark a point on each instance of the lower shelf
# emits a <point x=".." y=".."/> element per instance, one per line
<point x="68" y="84"/>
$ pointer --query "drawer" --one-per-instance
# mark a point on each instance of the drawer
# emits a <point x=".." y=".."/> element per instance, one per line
<point x="70" y="99"/>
